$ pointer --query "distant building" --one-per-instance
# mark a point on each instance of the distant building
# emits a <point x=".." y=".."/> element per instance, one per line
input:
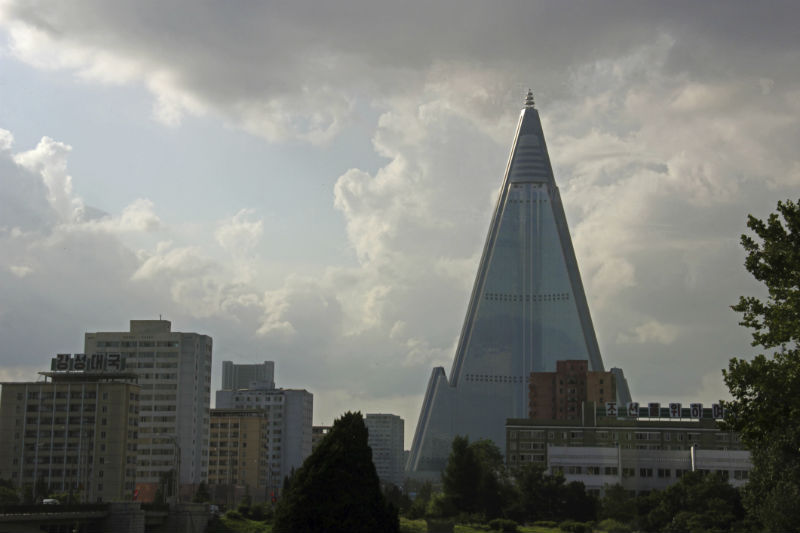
<point x="290" y="414"/>
<point x="75" y="433"/>
<point x="317" y="434"/>
<point x="386" y="440"/>
<point x="558" y="395"/>
<point x="642" y="454"/>
<point x="244" y="459"/>
<point x="174" y="373"/>
<point x="240" y="376"/>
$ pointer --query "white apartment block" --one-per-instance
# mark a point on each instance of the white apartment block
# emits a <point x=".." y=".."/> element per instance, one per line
<point x="386" y="441"/>
<point x="290" y="412"/>
<point x="174" y="373"/>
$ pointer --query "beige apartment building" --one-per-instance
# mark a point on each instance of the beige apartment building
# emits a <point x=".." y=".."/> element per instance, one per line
<point x="240" y="455"/>
<point x="75" y="431"/>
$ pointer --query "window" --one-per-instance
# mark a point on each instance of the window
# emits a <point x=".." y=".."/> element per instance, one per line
<point x="664" y="472"/>
<point x="645" y="472"/>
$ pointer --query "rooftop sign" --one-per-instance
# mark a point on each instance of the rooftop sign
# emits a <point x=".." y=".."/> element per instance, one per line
<point x="80" y="362"/>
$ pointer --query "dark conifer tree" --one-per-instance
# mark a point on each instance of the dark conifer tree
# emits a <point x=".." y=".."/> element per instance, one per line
<point x="337" y="488"/>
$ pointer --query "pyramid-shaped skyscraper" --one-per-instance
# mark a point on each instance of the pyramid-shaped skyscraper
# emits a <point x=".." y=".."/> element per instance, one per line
<point x="527" y="311"/>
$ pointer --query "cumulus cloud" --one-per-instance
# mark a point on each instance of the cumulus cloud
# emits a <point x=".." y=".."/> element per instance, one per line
<point x="49" y="160"/>
<point x="650" y="331"/>
<point x="240" y="234"/>
<point x="665" y="128"/>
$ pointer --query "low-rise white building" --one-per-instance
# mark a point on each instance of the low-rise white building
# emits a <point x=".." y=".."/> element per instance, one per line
<point x="642" y="452"/>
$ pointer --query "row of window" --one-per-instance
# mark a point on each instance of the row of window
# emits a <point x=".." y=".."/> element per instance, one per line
<point x="140" y="344"/>
<point x="630" y="435"/>
<point x="507" y="297"/>
<point x="61" y="395"/>
<point x="492" y="378"/>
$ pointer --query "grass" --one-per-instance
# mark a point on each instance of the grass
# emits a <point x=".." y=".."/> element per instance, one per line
<point x="419" y="526"/>
<point x="231" y="525"/>
<point x="243" y="525"/>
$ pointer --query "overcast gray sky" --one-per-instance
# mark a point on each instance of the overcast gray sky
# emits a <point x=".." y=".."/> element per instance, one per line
<point x="311" y="183"/>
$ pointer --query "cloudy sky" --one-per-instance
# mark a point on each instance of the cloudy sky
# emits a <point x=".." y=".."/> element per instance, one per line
<point x="311" y="182"/>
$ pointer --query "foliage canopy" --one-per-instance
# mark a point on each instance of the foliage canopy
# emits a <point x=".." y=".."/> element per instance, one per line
<point x="337" y="488"/>
<point x="766" y="390"/>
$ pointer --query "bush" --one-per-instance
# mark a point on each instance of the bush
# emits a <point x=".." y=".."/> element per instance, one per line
<point x="234" y="515"/>
<point x="440" y="525"/>
<point x="244" y="509"/>
<point x="260" y="512"/>
<point x="503" y="524"/>
<point x="609" y="525"/>
<point x="546" y="523"/>
<point x="572" y="526"/>
<point x="412" y="526"/>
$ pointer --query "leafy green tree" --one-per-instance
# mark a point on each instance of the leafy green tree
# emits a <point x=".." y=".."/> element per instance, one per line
<point x="201" y="495"/>
<point x="420" y="504"/>
<point x="395" y="496"/>
<point x="475" y="480"/>
<point x="617" y="504"/>
<point x="548" y="497"/>
<point x="337" y="488"/>
<point x="774" y="259"/>
<point x="766" y="390"/>
<point x="462" y="476"/>
<point x="8" y="496"/>
<point x="698" y="502"/>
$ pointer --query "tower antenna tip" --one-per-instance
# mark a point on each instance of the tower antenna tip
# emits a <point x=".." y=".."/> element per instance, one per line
<point x="529" y="99"/>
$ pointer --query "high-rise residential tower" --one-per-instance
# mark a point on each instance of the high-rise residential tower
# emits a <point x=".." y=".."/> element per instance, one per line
<point x="527" y="310"/>
<point x="174" y="374"/>
<point x="386" y="441"/>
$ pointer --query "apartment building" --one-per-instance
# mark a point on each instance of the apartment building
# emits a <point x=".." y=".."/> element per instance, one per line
<point x="174" y="372"/>
<point x="244" y="455"/>
<point x="386" y="440"/>
<point x="289" y="413"/>
<point x="75" y="431"/>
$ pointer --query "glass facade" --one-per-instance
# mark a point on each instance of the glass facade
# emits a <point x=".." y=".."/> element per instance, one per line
<point x="527" y="311"/>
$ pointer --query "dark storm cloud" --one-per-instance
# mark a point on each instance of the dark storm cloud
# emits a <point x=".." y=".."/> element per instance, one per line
<point x="252" y="61"/>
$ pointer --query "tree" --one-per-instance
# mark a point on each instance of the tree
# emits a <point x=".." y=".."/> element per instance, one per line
<point x="766" y="391"/>
<point x="337" y="488"/>
<point x="774" y="260"/>
<point x="420" y="503"/>
<point x="474" y="480"/>
<point x="8" y="495"/>
<point x="698" y="502"/>
<point x="201" y="495"/>
<point x="549" y="497"/>
<point x="617" y="504"/>
<point x="461" y="476"/>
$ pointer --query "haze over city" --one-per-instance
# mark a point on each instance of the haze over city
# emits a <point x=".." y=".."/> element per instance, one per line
<point x="312" y="184"/>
